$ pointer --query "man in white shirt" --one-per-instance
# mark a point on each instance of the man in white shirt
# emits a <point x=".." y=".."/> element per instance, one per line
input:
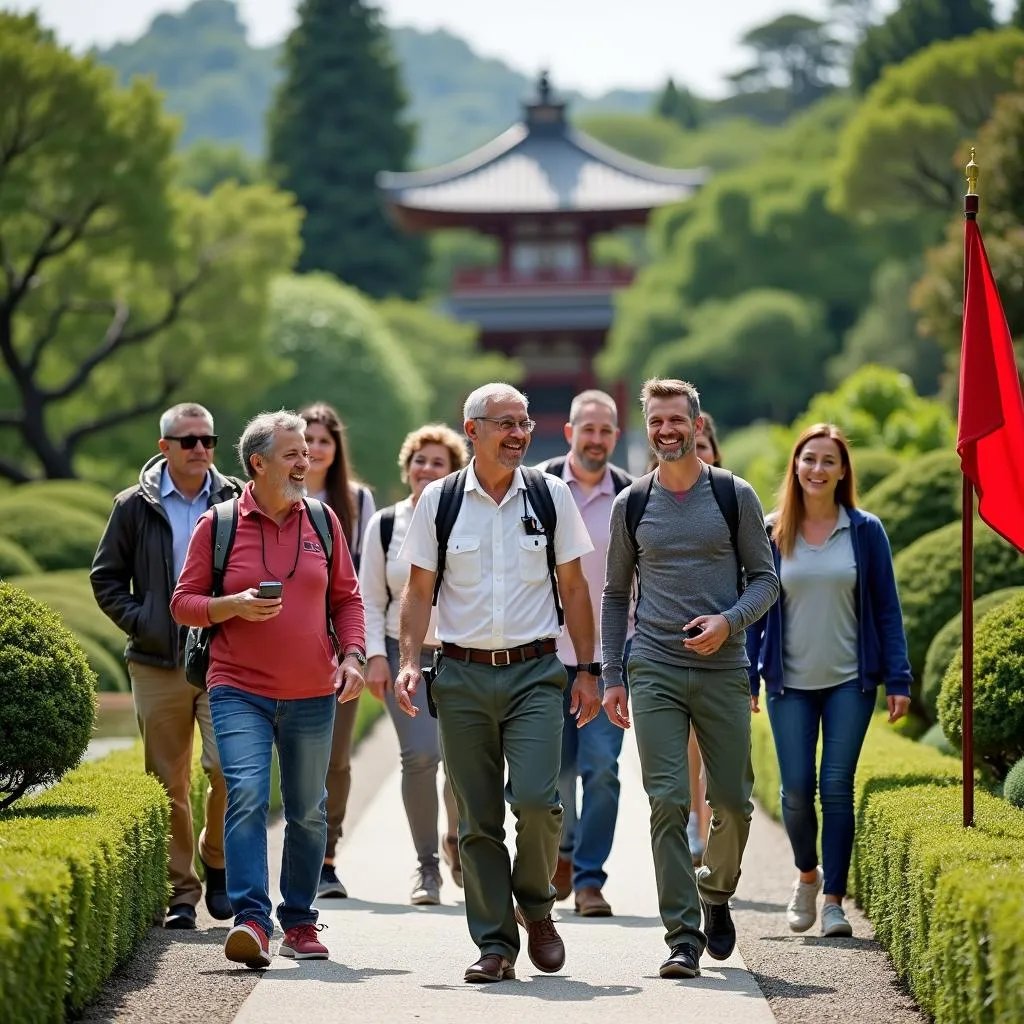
<point x="498" y="688"/>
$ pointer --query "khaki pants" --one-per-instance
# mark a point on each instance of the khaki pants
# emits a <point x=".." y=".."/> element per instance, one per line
<point x="167" y="708"/>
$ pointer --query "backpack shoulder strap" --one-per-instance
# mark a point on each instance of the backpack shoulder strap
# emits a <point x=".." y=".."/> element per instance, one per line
<point x="325" y="532"/>
<point x="452" y="489"/>
<point x="543" y="504"/>
<point x="723" y="487"/>
<point x="555" y="466"/>
<point x="225" y="525"/>
<point x="387" y="531"/>
<point x="620" y="478"/>
<point x="636" y="504"/>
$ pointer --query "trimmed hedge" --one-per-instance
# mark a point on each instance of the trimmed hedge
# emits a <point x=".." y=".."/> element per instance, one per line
<point x="83" y="875"/>
<point x="78" y="494"/>
<point x="923" y="495"/>
<point x="945" y="644"/>
<point x="928" y="577"/>
<point x="56" y="536"/>
<point x="946" y="902"/>
<point x="873" y="465"/>
<point x="1013" y="785"/>
<point x="15" y="560"/>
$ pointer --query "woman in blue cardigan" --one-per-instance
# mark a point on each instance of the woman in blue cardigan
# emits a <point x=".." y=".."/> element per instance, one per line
<point x="833" y="637"/>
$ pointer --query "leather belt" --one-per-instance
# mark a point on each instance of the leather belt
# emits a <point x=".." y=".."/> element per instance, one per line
<point x="500" y="659"/>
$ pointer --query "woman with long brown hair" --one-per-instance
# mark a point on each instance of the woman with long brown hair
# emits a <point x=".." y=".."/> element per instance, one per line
<point x="331" y="478"/>
<point x="834" y="635"/>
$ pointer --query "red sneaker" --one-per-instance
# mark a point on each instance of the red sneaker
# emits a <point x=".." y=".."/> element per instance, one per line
<point x="247" y="943"/>
<point x="301" y="943"/>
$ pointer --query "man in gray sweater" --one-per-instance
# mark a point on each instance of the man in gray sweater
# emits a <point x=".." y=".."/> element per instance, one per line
<point x="702" y="580"/>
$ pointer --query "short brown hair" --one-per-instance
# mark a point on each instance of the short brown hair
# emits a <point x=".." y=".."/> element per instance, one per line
<point x="709" y="431"/>
<point x="790" y="506"/>
<point x="432" y="433"/>
<point x="669" y="387"/>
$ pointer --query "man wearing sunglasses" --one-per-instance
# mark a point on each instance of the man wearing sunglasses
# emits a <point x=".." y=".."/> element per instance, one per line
<point x="133" y="575"/>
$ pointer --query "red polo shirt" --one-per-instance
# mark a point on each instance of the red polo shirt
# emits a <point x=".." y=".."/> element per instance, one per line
<point x="289" y="656"/>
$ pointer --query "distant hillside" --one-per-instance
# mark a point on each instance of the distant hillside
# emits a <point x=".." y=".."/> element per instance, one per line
<point x="221" y="86"/>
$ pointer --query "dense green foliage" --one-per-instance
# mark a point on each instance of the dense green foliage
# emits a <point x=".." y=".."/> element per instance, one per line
<point x="998" y="693"/>
<point x="49" y="698"/>
<point x="945" y="644"/>
<point x="871" y="466"/>
<point x="82" y="877"/>
<point x="15" y="560"/>
<point x="1013" y="785"/>
<point x="329" y="153"/>
<point x="922" y="496"/>
<point x="56" y="536"/>
<point x="77" y="494"/>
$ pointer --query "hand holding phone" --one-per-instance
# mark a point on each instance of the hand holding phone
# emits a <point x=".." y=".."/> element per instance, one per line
<point x="269" y="589"/>
<point x="691" y="634"/>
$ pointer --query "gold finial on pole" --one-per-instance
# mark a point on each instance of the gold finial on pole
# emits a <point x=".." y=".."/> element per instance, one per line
<point x="972" y="176"/>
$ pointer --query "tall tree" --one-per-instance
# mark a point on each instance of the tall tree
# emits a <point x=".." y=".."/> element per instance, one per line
<point x="680" y="105"/>
<point x="336" y="122"/>
<point x="914" y="25"/>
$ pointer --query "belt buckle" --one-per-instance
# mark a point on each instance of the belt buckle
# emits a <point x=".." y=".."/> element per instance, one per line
<point x="500" y="664"/>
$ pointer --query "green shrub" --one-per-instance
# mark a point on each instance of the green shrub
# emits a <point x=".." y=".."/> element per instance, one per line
<point x="928" y="577"/>
<point x="15" y="560"/>
<point x="49" y="696"/>
<point x="998" y="689"/>
<point x="1013" y="787"/>
<point x="920" y="497"/>
<point x="83" y="875"/>
<point x="111" y="674"/>
<point x="56" y="536"/>
<point x="82" y="495"/>
<point x="871" y="466"/>
<point x="936" y="738"/>
<point x="945" y="644"/>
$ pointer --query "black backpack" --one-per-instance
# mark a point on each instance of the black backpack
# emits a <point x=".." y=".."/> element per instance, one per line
<point x="452" y="489"/>
<point x="620" y="478"/>
<point x="225" y="525"/>
<point x="387" y="531"/>
<point x="723" y="487"/>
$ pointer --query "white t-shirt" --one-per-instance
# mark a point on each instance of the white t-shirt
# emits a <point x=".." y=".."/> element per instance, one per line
<point x="496" y="592"/>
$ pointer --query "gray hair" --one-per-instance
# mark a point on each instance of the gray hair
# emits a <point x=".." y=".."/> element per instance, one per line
<point x="260" y="433"/>
<point x="477" y="402"/>
<point x="183" y="411"/>
<point x="592" y="397"/>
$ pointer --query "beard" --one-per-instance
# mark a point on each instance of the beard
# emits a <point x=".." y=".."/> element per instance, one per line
<point x="509" y="458"/>
<point x="592" y="463"/>
<point x="673" y="454"/>
<point x="293" y="491"/>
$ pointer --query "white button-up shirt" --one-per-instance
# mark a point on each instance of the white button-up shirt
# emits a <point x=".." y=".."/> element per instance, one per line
<point x="496" y="592"/>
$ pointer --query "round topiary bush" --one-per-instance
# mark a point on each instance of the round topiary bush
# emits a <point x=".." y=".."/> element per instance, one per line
<point x="872" y="466"/>
<point x="998" y="689"/>
<point x="15" y="560"/>
<point x="920" y="497"/>
<point x="936" y="738"/>
<point x="48" y="696"/>
<point x="945" y="644"/>
<point x="78" y="494"/>
<point x="1013" y="787"/>
<point x="56" y="536"/>
<point x="928" y="577"/>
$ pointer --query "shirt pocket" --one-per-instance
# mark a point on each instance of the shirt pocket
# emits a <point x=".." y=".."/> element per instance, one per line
<point x="462" y="564"/>
<point x="533" y="558"/>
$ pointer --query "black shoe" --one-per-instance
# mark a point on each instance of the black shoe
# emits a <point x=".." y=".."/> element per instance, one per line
<point x="683" y="962"/>
<point x="217" y="902"/>
<point x="181" y="917"/>
<point x="719" y="929"/>
<point x="330" y="884"/>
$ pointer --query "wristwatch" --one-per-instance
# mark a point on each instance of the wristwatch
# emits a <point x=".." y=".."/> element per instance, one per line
<point x="356" y="653"/>
<point x="593" y="668"/>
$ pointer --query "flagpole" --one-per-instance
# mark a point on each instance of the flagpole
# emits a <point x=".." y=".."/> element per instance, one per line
<point x="967" y="554"/>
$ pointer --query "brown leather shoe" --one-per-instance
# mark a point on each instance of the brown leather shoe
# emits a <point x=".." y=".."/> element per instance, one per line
<point x="544" y="944"/>
<point x="490" y="967"/>
<point x="591" y="903"/>
<point x="562" y="879"/>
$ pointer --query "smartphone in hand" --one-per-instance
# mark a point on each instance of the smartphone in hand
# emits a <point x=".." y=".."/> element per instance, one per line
<point x="693" y="632"/>
<point x="269" y="589"/>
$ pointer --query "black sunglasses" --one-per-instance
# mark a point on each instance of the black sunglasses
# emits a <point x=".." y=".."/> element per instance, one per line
<point x="189" y="441"/>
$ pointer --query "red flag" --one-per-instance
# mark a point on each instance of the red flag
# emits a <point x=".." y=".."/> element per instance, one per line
<point x="990" y="425"/>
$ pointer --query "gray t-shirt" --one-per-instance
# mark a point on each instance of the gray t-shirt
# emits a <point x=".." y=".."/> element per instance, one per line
<point x="820" y="611"/>
<point x="687" y="568"/>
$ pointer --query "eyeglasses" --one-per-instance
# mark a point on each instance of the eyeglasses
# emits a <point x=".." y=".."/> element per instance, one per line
<point x="189" y="441"/>
<point x="505" y="424"/>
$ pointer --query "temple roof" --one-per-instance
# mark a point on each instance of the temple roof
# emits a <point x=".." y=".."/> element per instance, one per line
<point x="541" y="165"/>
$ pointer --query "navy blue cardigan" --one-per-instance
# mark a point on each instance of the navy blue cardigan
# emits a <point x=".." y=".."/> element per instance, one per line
<point x="881" y="642"/>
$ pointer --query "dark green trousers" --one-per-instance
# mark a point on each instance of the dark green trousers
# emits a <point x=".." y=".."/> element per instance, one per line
<point x="487" y="717"/>
<point x="666" y="699"/>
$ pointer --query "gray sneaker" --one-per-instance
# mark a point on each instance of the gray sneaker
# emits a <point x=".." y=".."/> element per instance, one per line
<point x="803" y="909"/>
<point x="833" y="922"/>
<point x="427" y="890"/>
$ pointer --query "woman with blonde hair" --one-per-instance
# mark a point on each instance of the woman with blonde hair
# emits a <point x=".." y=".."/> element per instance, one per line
<point x="834" y="635"/>
<point x="427" y="454"/>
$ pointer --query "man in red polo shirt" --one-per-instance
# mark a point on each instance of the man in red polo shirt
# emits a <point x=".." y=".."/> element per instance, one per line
<point x="274" y="678"/>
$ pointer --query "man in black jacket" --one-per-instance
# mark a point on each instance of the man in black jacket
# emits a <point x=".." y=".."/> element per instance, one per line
<point x="133" y="575"/>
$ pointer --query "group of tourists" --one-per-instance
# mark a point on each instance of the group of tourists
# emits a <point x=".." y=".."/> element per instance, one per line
<point x="516" y="621"/>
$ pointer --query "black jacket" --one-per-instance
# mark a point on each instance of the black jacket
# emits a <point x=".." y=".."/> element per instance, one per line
<point x="133" y="570"/>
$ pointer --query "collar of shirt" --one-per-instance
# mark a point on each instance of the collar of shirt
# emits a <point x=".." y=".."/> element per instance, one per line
<point x="842" y="521"/>
<point x="167" y="487"/>
<point x="604" y="486"/>
<point x="473" y="484"/>
<point x="247" y="503"/>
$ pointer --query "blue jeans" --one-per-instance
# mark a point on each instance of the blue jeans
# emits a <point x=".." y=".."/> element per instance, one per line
<point x="247" y="727"/>
<point x="592" y="753"/>
<point x="842" y="713"/>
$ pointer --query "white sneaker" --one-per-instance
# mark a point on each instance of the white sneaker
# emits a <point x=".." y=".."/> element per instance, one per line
<point x="802" y="909"/>
<point x="833" y="922"/>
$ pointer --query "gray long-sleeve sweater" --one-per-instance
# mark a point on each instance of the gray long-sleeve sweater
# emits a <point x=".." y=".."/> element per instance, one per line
<point x="687" y="568"/>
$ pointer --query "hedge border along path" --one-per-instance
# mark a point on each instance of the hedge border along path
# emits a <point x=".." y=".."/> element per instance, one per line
<point x="83" y="875"/>
<point x="946" y="902"/>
